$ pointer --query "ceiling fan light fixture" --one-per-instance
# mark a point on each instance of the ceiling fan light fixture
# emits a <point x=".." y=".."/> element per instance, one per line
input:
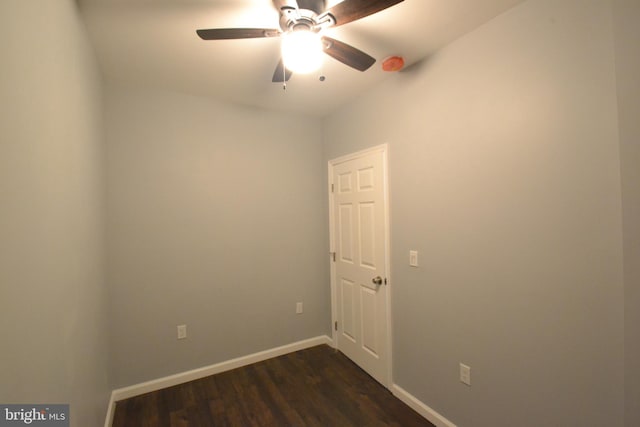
<point x="302" y="51"/>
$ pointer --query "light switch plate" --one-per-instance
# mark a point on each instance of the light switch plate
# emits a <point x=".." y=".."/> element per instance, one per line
<point x="413" y="258"/>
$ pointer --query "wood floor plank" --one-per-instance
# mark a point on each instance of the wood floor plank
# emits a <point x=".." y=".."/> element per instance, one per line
<point x="315" y="387"/>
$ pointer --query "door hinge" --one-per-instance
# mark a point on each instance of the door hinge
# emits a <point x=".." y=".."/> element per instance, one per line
<point x="335" y="326"/>
<point x="333" y="256"/>
<point x="332" y="188"/>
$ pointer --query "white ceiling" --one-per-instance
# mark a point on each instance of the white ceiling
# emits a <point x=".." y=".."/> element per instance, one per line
<point x="153" y="43"/>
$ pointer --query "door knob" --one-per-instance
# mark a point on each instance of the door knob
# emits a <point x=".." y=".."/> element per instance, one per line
<point x="377" y="281"/>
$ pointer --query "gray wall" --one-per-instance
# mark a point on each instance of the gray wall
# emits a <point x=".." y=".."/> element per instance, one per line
<point x="215" y="220"/>
<point x="504" y="174"/>
<point x="627" y="35"/>
<point x="52" y="299"/>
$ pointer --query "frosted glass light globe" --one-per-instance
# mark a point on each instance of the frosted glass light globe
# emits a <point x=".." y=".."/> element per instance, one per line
<point x="302" y="51"/>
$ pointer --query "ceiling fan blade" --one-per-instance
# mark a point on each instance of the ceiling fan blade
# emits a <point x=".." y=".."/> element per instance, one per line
<point x="236" y="33"/>
<point x="347" y="54"/>
<point x="351" y="10"/>
<point x="281" y="73"/>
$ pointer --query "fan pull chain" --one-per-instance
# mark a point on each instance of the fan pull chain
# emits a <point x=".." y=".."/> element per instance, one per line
<point x="284" y="77"/>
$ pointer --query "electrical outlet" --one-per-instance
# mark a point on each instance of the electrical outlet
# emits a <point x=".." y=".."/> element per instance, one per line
<point x="465" y="374"/>
<point x="182" y="332"/>
<point x="298" y="308"/>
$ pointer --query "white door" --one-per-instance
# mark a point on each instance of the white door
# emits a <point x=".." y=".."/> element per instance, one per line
<point x="359" y="241"/>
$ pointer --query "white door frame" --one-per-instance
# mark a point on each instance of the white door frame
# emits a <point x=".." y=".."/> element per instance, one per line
<point x="384" y="149"/>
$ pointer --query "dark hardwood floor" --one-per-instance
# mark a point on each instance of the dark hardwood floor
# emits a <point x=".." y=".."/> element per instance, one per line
<point x="314" y="387"/>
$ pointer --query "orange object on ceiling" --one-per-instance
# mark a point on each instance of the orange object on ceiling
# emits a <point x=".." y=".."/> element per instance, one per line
<point x="393" y="63"/>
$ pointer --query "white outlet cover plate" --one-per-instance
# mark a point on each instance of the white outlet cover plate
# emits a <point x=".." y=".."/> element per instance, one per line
<point x="465" y="374"/>
<point x="182" y="332"/>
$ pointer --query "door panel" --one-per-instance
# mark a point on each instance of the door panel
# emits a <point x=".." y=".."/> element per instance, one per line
<point x="365" y="179"/>
<point x="344" y="182"/>
<point x="345" y="219"/>
<point x="366" y="221"/>
<point x="348" y="310"/>
<point x="369" y="315"/>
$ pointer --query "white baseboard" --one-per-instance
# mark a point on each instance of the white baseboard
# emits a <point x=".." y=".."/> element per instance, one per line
<point x="195" y="374"/>
<point x="418" y="406"/>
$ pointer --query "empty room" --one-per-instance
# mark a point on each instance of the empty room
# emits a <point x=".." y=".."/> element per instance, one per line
<point x="433" y="221"/>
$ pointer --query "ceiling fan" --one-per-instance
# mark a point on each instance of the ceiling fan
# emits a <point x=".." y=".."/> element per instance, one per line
<point x="302" y="23"/>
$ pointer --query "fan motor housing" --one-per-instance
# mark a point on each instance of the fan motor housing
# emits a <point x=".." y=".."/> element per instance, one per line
<point x="291" y="19"/>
